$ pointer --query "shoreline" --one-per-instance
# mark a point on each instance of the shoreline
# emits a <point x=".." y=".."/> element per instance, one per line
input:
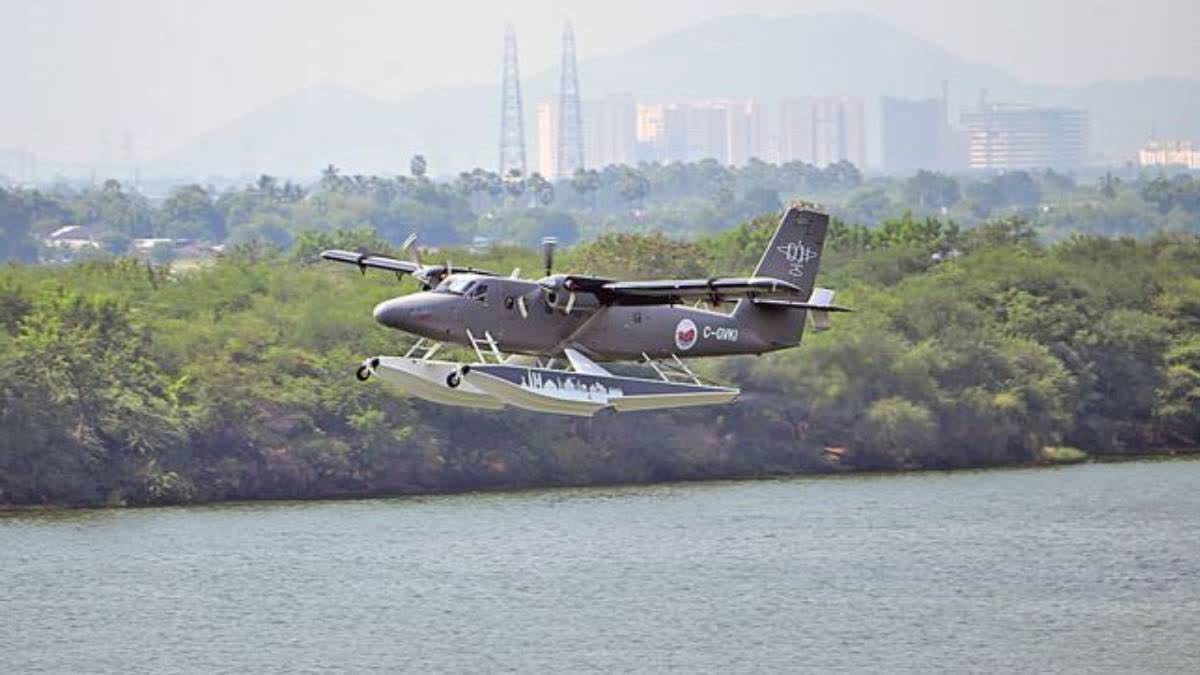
<point x="1177" y="454"/>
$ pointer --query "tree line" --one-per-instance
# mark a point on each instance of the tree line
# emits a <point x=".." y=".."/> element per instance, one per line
<point x="689" y="200"/>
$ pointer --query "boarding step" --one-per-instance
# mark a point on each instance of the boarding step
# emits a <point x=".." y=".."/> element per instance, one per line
<point x="478" y="344"/>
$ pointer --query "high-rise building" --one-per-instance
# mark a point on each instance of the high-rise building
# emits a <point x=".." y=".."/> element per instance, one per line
<point x="797" y="131"/>
<point x="852" y="133"/>
<point x="675" y="132"/>
<point x="707" y="133"/>
<point x="729" y="131"/>
<point x="686" y="132"/>
<point x="610" y="133"/>
<point x="823" y="131"/>
<point x="914" y="134"/>
<point x="651" y="132"/>
<point x="1025" y="137"/>
<point x="547" y="140"/>
<point x="839" y="131"/>
<point x="748" y="134"/>
<point x="1170" y="153"/>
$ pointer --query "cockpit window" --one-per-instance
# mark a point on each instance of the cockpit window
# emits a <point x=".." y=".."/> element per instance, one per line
<point x="479" y="292"/>
<point x="456" y="285"/>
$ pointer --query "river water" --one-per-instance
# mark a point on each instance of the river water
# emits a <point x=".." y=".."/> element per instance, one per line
<point x="1084" y="568"/>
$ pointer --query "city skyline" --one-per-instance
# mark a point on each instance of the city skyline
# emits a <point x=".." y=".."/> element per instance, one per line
<point x="822" y="130"/>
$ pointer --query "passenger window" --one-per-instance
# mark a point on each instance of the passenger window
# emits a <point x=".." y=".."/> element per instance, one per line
<point x="509" y="302"/>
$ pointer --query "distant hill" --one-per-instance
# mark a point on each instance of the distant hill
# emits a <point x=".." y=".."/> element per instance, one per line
<point x="739" y="56"/>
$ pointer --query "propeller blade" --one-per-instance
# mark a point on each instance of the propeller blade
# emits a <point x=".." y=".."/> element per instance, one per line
<point x="408" y="245"/>
<point x="521" y="306"/>
<point x="570" y="302"/>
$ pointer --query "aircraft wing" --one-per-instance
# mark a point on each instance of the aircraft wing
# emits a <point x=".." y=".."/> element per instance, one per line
<point x="427" y="275"/>
<point x="367" y="260"/>
<point x="666" y="291"/>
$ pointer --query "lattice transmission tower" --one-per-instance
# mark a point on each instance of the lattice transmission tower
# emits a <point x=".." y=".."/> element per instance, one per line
<point x="512" y="129"/>
<point x="570" y="124"/>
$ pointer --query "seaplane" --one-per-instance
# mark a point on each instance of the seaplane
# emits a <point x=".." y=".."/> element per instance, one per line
<point x="539" y="344"/>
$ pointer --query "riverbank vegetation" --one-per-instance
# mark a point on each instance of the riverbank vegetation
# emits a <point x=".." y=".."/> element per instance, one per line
<point x="128" y="382"/>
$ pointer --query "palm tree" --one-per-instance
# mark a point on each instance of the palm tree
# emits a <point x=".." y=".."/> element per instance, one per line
<point x="514" y="182"/>
<point x="1109" y="184"/>
<point x="268" y="186"/>
<point x="417" y="166"/>
<point x="331" y="180"/>
<point x="586" y="182"/>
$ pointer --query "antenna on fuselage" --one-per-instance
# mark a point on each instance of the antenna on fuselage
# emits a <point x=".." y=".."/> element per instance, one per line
<point x="548" y="246"/>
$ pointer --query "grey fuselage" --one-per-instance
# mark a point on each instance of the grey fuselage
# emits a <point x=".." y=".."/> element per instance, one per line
<point x="524" y="318"/>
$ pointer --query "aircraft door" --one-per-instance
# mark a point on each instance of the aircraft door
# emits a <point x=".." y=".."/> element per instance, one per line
<point x="475" y="313"/>
<point x="507" y="311"/>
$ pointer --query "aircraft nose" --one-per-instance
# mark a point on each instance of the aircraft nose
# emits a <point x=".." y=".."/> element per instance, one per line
<point x="392" y="313"/>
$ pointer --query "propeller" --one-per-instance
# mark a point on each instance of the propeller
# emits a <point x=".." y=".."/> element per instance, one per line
<point x="427" y="275"/>
<point x="554" y="288"/>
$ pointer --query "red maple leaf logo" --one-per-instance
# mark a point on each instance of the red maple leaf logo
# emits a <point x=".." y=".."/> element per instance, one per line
<point x="687" y="335"/>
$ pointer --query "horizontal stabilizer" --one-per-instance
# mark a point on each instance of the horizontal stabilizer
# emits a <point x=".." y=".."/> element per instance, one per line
<point x="802" y="305"/>
<point x="819" y="305"/>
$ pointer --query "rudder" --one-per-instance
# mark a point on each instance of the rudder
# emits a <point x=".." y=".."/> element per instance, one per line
<point x="794" y="254"/>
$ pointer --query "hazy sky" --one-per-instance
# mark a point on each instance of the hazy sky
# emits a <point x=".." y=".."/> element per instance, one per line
<point x="75" y="72"/>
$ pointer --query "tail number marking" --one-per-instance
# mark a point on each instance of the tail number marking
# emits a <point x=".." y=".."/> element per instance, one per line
<point x="722" y="334"/>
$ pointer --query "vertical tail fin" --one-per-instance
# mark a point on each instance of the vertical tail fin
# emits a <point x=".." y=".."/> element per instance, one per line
<point x="794" y="253"/>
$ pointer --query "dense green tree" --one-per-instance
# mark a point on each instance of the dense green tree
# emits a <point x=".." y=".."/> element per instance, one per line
<point x="16" y="218"/>
<point x="1013" y="189"/>
<point x="633" y="186"/>
<point x="870" y="204"/>
<point x="191" y="212"/>
<point x="639" y="256"/>
<point x="758" y="201"/>
<point x="894" y="431"/>
<point x="530" y="226"/>
<point x="586" y="182"/>
<point x="931" y="190"/>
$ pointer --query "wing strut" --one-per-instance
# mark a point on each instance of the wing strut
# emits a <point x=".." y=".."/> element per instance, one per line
<point x="675" y="367"/>
<point x="583" y="364"/>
